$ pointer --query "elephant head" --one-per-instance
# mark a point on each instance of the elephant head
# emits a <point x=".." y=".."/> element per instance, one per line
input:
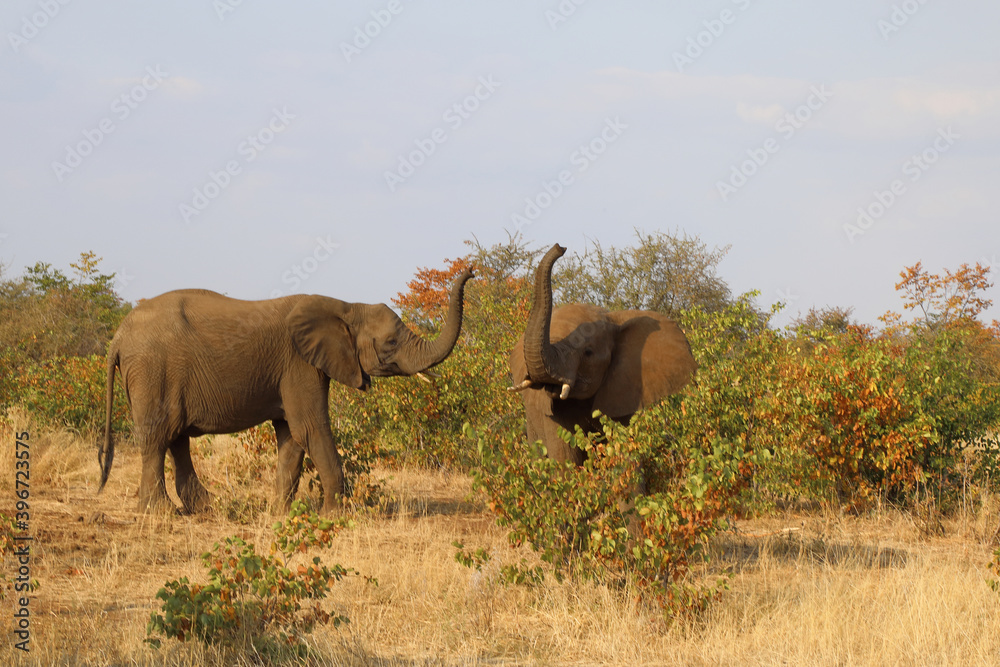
<point x="578" y="358"/>
<point x="351" y="342"/>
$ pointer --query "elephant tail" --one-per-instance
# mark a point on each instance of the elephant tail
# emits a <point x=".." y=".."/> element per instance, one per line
<point x="106" y="454"/>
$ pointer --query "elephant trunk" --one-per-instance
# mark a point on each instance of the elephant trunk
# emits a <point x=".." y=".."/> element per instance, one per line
<point x="420" y="354"/>
<point x="541" y="359"/>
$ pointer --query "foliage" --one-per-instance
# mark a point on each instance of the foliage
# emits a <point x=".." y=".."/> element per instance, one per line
<point x="850" y="419"/>
<point x="821" y="322"/>
<point x="994" y="568"/>
<point x="664" y="272"/>
<point x="253" y="599"/>
<point x="44" y="316"/>
<point x="70" y="391"/>
<point x="427" y="299"/>
<point x="945" y="299"/>
<point x="420" y="420"/>
<point x="651" y="493"/>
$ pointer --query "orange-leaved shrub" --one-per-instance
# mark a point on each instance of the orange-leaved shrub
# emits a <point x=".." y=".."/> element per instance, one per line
<point x="652" y="492"/>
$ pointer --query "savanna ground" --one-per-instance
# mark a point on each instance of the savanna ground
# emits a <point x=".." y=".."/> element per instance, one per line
<point x="808" y="587"/>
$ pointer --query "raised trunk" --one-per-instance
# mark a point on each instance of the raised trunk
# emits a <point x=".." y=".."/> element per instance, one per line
<point x="420" y="354"/>
<point x="540" y="358"/>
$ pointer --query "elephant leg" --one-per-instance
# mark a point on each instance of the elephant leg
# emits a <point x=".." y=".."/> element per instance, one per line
<point x="545" y="416"/>
<point x="152" y="486"/>
<point x="193" y="495"/>
<point x="318" y="443"/>
<point x="290" y="456"/>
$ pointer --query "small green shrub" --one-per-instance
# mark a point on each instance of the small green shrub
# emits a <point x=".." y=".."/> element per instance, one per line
<point x="255" y="600"/>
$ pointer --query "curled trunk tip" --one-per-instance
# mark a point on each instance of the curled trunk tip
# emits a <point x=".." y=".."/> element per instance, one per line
<point x="423" y="354"/>
<point x="541" y="360"/>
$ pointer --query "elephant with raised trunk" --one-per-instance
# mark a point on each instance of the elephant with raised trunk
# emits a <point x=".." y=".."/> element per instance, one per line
<point x="196" y="362"/>
<point x="579" y="358"/>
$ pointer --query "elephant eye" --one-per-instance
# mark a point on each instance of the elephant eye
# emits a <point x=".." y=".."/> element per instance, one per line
<point x="588" y="352"/>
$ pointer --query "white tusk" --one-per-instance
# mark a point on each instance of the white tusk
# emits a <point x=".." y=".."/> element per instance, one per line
<point x="565" y="391"/>
<point x="424" y="378"/>
<point x="521" y="387"/>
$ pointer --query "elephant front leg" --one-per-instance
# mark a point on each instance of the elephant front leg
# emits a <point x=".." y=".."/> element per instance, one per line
<point x="290" y="456"/>
<point x="192" y="493"/>
<point x="323" y="452"/>
<point x="152" y="487"/>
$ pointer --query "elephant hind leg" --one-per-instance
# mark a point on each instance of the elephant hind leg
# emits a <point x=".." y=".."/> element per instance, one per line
<point x="290" y="457"/>
<point x="192" y="493"/>
<point x="152" y="487"/>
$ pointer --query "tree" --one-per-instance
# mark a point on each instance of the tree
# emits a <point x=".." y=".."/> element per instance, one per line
<point x="666" y="272"/>
<point x="948" y="299"/>
<point x="504" y="274"/>
<point x="426" y="301"/>
<point x="820" y="322"/>
<point x="44" y="313"/>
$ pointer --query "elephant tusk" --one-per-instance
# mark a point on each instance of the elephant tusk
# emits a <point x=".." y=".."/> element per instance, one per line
<point x="565" y="391"/>
<point x="425" y="378"/>
<point x="521" y="387"/>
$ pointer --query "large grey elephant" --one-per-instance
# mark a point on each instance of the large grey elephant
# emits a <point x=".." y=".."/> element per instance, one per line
<point x="196" y="362"/>
<point x="579" y="358"/>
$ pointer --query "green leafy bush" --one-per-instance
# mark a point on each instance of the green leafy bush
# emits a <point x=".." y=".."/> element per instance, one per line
<point x="411" y="420"/>
<point x="70" y="391"/>
<point x="650" y="493"/>
<point x="252" y="599"/>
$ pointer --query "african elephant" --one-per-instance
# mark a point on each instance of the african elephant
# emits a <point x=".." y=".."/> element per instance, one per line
<point x="579" y="358"/>
<point x="195" y="362"/>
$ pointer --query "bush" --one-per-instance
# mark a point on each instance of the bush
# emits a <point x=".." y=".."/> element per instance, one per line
<point x="865" y="415"/>
<point x="651" y="493"/>
<point x="420" y="422"/>
<point x="70" y="391"/>
<point x="254" y="600"/>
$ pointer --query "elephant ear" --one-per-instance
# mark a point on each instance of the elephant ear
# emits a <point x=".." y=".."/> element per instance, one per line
<point x="323" y="339"/>
<point x="652" y="359"/>
<point x="518" y="369"/>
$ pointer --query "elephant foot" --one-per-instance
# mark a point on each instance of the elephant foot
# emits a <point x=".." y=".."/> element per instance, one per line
<point x="333" y="505"/>
<point x="195" y="497"/>
<point x="156" y="504"/>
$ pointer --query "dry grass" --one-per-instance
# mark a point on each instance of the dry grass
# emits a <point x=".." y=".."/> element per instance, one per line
<point x="838" y="591"/>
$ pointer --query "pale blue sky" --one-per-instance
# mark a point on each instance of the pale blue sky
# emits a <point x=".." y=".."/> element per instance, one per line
<point x="202" y="86"/>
